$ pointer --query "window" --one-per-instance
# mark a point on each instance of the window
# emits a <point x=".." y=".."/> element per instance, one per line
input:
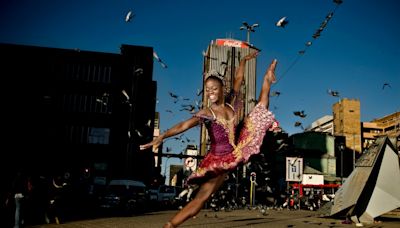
<point x="99" y="135"/>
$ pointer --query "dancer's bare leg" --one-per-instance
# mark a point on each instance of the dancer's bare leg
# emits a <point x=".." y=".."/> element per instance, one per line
<point x="193" y="207"/>
<point x="269" y="78"/>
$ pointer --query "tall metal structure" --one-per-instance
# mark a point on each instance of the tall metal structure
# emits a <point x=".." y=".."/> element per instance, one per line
<point x="223" y="56"/>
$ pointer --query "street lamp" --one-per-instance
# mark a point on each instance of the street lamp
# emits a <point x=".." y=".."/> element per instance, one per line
<point x="249" y="28"/>
<point x="341" y="148"/>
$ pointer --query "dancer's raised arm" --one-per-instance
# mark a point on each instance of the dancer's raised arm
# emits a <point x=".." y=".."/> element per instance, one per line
<point x="239" y="74"/>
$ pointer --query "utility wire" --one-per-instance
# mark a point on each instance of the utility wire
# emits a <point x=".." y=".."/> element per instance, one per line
<point x="315" y="36"/>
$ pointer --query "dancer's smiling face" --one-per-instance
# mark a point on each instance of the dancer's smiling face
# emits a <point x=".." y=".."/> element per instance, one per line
<point x="214" y="89"/>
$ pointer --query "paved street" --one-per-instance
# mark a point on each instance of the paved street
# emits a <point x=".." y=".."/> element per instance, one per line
<point x="236" y="218"/>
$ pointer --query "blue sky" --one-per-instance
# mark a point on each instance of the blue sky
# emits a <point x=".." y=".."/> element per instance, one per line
<point x="357" y="52"/>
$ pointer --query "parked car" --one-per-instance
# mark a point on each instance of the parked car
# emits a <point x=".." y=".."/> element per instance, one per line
<point x="163" y="195"/>
<point x="124" y="195"/>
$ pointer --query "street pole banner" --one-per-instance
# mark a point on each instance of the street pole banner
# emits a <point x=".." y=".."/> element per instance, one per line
<point x="294" y="169"/>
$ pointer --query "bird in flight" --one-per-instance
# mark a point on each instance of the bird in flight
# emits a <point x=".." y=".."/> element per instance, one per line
<point x="333" y="93"/>
<point x="252" y="100"/>
<point x="176" y="97"/>
<point x="298" y="124"/>
<point x="386" y="84"/>
<point x="159" y="60"/>
<point x="282" y="22"/>
<point x="190" y="108"/>
<point x="199" y="92"/>
<point x="129" y="16"/>
<point x="275" y="93"/>
<point x="338" y="1"/>
<point x="300" y="113"/>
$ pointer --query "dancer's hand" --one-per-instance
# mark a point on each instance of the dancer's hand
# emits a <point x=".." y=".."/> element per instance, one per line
<point x="155" y="143"/>
<point x="251" y="55"/>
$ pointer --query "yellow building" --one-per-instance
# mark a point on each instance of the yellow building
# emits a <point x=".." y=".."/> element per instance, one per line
<point x="346" y="122"/>
<point x="388" y="125"/>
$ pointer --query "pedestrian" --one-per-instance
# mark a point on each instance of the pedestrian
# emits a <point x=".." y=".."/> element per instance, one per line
<point x="21" y="186"/>
<point x="56" y="199"/>
<point x="221" y="119"/>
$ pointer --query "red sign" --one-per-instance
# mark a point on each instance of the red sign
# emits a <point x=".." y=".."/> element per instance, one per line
<point x="232" y="43"/>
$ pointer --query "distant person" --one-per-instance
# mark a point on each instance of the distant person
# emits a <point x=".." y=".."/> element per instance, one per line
<point x="56" y="194"/>
<point x="187" y="188"/>
<point x="221" y="119"/>
<point x="21" y="186"/>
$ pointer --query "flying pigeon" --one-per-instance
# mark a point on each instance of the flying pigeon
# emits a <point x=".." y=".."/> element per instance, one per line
<point x="298" y="124"/>
<point x="129" y="16"/>
<point x="275" y="93"/>
<point x="282" y="22"/>
<point x="300" y="113"/>
<point x="148" y="124"/>
<point x="139" y="71"/>
<point x="159" y="60"/>
<point x="199" y="92"/>
<point x="190" y="108"/>
<point x="253" y="100"/>
<point x="127" y="98"/>
<point x="199" y="104"/>
<point x="333" y="93"/>
<point x="176" y="97"/>
<point x="338" y="1"/>
<point x="138" y="133"/>
<point x="386" y="84"/>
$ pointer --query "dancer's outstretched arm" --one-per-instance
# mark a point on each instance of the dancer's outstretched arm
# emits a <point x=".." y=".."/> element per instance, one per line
<point x="176" y="129"/>
<point x="269" y="78"/>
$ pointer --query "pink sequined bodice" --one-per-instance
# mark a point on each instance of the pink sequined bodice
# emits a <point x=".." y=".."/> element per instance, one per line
<point x="220" y="137"/>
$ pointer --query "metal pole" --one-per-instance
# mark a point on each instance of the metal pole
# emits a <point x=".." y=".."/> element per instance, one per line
<point x="341" y="164"/>
<point x="251" y="192"/>
<point x="165" y="169"/>
<point x="237" y="183"/>
<point x="354" y="151"/>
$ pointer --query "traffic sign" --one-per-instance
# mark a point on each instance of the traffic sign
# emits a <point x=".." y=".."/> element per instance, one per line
<point x="294" y="169"/>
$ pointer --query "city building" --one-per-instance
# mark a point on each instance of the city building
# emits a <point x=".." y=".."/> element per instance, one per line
<point x="350" y="134"/>
<point x="388" y="125"/>
<point x="69" y="110"/>
<point x="323" y="124"/>
<point x="346" y="122"/>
